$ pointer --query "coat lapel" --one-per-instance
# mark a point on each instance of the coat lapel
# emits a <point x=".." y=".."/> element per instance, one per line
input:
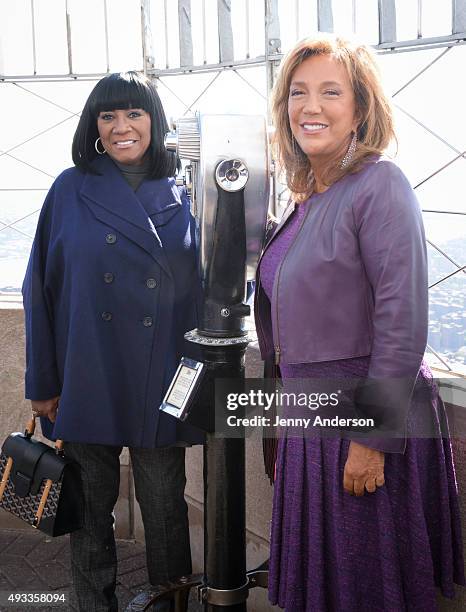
<point x="113" y="202"/>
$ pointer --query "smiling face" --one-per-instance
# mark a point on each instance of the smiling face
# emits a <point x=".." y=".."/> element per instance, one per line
<point x="125" y="134"/>
<point x="321" y="109"/>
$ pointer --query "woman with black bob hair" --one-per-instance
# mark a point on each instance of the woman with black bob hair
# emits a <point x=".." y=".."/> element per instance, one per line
<point x="108" y="295"/>
<point x="120" y="91"/>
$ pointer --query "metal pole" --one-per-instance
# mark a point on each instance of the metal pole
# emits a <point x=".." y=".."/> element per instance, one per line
<point x="419" y="18"/>
<point x="146" y="37"/>
<point x="33" y="25"/>
<point x="224" y="495"/>
<point x="325" y="15"/>
<point x="204" y="35"/>
<point x="185" y="34"/>
<point x="437" y="248"/>
<point x="248" y="50"/>
<point x="387" y="21"/>
<point x="166" y="32"/>
<point x="107" y="52"/>
<point x="272" y="47"/>
<point x="225" y="32"/>
<point x="68" y="38"/>
<point x="417" y="75"/>
<point x="439" y="358"/>
<point x="463" y="269"/>
<point x="296" y="15"/>
<point x="458" y="16"/>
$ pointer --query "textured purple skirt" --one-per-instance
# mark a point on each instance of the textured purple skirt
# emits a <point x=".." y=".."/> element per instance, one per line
<point x="383" y="552"/>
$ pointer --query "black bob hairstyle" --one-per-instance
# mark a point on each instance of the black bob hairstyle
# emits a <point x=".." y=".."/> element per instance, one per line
<point x="119" y="91"/>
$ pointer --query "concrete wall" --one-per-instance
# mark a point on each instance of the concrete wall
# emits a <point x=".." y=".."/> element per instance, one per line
<point x="14" y="411"/>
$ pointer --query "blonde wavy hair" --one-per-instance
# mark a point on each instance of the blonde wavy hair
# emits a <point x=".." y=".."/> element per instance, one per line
<point x="373" y="109"/>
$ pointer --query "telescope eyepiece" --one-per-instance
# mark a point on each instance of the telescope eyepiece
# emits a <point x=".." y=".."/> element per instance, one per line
<point x="231" y="175"/>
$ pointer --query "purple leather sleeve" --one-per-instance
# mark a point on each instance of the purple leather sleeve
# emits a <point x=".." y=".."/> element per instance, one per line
<point x="393" y="251"/>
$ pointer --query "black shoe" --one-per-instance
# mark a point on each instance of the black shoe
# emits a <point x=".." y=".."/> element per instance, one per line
<point x="141" y="603"/>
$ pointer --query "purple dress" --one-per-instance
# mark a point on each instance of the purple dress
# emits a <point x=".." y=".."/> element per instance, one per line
<point x="384" y="552"/>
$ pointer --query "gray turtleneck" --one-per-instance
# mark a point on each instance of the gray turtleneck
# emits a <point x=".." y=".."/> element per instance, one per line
<point x="134" y="175"/>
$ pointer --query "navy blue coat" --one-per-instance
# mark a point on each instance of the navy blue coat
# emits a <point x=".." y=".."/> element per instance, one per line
<point x="108" y="295"/>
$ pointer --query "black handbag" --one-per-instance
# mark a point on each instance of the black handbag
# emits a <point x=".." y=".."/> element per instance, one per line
<point x="39" y="484"/>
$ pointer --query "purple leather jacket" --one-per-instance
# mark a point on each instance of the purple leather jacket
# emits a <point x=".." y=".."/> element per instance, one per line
<point x="354" y="280"/>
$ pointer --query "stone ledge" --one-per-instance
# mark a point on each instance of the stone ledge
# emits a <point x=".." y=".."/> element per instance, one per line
<point x="11" y="302"/>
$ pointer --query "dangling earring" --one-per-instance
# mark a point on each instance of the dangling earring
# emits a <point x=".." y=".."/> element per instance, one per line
<point x="96" y="147"/>
<point x="350" y="152"/>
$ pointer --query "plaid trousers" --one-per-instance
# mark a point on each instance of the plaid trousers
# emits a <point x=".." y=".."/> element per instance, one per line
<point x="159" y="480"/>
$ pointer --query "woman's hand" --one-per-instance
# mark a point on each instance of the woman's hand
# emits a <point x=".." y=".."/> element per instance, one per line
<point x="46" y="408"/>
<point x="364" y="469"/>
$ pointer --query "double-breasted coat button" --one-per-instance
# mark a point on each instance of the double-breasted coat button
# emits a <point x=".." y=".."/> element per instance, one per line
<point x="151" y="283"/>
<point x="147" y="321"/>
<point x="108" y="277"/>
<point x="110" y="238"/>
<point x="107" y="316"/>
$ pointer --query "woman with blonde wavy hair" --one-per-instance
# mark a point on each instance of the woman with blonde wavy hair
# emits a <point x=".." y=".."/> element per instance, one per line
<point x="361" y="522"/>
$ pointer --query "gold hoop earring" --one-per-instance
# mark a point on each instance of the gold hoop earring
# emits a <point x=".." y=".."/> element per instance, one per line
<point x="96" y="146"/>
